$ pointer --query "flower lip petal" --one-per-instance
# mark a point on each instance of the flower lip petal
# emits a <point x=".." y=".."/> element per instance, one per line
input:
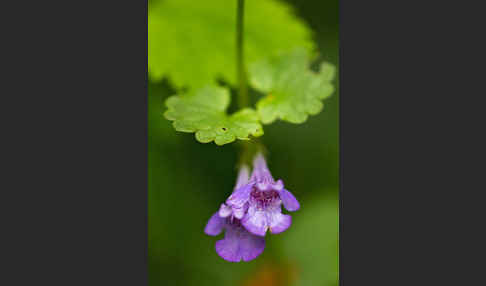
<point x="289" y="201"/>
<point x="280" y="223"/>
<point x="238" y="244"/>
<point x="224" y="210"/>
<point x="239" y="212"/>
<point x="255" y="222"/>
<point x="278" y="186"/>
<point x="215" y="225"/>
<point x="251" y="246"/>
<point x="228" y="250"/>
<point x="264" y="186"/>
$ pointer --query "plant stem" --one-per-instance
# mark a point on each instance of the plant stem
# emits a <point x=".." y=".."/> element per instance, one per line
<point x="241" y="71"/>
<point x="248" y="148"/>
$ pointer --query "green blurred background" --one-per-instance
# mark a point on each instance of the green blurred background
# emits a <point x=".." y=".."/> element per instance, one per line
<point x="188" y="181"/>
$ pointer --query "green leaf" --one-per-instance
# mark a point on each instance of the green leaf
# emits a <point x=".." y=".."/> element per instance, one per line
<point x="292" y="90"/>
<point x="194" y="42"/>
<point x="204" y="112"/>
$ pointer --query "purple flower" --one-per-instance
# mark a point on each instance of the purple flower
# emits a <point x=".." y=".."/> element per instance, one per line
<point x="238" y="243"/>
<point x="263" y="196"/>
<point x="253" y="207"/>
<point x="235" y="209"/>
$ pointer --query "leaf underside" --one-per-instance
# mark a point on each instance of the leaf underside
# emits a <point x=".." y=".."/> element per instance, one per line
<point x="204" y="112"/>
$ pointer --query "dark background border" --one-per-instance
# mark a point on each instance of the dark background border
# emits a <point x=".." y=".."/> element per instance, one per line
<point x="76" y="154"/>
<point x="75" y="160"/>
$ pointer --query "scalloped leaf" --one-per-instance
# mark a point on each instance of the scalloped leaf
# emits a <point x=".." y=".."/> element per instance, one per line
<point x="193" y="43"/>
<point x="293" y="91"/>
<point x="204" y="112"/>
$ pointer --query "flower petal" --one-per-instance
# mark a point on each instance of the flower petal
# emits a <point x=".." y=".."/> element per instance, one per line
<point x="278" y="222"/>
<point x="289" y="201"/>
<point x="228" y="249"/>
<point x="215" y="225"/>
<point x="224" y="210"/>
<point x="239" y="212"/>
<point x="243" y="177"/>
<point x="240" y="196"/>
<point x="278" y="186"/>
<point x="255" y="221"/>
<point x="261" y="173"/>
<point x="239" y="244"/>
<point x="251" y="246"/>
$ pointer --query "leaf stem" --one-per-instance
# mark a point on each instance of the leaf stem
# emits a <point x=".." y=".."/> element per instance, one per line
<point x="240" y="66"/>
